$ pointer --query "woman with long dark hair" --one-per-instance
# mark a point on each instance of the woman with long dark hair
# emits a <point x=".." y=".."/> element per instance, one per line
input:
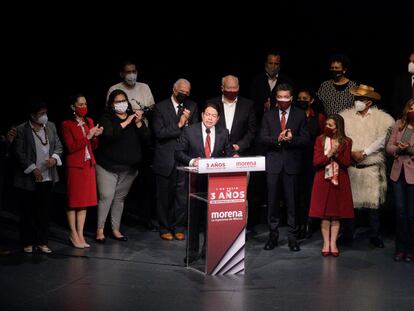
<point x="331" y="194"/>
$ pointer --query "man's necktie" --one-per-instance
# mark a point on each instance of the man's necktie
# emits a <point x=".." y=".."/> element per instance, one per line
<point x="283" y="120"/>
<point x="207" y="145"/>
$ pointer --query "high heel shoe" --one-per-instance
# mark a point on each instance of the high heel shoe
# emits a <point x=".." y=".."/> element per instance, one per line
<point x="325" y="254"/>
<point x="75" y="245"/>
<point x="335" y="254"/>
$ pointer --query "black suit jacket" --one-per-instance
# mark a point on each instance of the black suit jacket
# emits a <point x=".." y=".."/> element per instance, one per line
<point x="166" y="131"/>
<point x="243" y="129"/>
<point x="260" y="92"/>
<point x="191" y="146"/>
<point x="401" y="94"/>
<point x="285" y="155"/>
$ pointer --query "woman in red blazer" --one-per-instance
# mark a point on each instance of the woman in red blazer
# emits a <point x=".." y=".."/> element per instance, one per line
<point x="80" y="139"/>
<point x="331" y="194"/>
<point x="401" y="147"/>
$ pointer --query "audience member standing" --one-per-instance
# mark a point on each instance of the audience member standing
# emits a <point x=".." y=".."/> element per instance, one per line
<point x="119" y="154"/>
<point x="331" y="194"/>
<point x="334" y="93"/>
<point x="285" y="135"/>
<point x="401" y="147"/>
<point x="38" y="151"/>
<point x="171" y="116"/>
<point x="368" y="127"/>
<point x="80" y="138"/>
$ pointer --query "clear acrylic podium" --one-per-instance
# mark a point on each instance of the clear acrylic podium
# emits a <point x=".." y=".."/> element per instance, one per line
<point x="217" y="193"/>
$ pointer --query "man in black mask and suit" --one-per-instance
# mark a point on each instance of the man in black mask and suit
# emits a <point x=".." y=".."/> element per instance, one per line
<point x="171" y="116"/>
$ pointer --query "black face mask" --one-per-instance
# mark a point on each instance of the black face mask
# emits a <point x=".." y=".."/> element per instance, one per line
<point x="336" y="74"/>
<point x="302" y="104"/>
<point x="180" y="97"/>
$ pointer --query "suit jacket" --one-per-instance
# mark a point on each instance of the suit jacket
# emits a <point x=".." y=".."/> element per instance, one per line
<point x="167" y="132"/>
<point x="260" y="91"/>
<point x="25" y="151"/>
<point x="402" y="93"/>
<point x="191" y="146"/>
<point x="285" y="155"/>
<point x="405" y="161"/>
<point x="75" y="143"/>
<point x="243" y="129"/>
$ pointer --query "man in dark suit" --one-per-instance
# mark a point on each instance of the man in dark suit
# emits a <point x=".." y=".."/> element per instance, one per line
<point x="403" y="89"/>
<point x="171" y="116"/>
<point x="263" y="87"/>
<point x="201" y="140"/>
<point x="237" y="116"/>
<point x="284" y="133"/>
<point x="262" y="92"/>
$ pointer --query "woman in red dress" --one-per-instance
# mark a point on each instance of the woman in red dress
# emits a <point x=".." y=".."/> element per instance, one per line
<point x="331" y="194"/>
<point x="80" y="138"/>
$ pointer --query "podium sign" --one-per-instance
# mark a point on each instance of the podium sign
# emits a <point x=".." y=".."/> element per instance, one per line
<point x="226" y="221"/>
<point x="229" y="165"/>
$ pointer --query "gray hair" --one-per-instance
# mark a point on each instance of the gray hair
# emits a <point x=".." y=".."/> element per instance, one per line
<point x="229" y="76"/>
<point x="182" y="80"/>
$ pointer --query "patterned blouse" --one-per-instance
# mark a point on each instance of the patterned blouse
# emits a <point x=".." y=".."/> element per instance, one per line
<point x="336" y="98"/>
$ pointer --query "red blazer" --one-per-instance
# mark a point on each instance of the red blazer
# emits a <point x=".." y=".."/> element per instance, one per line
<point x="75" y="143"/>
<point x="400" y="161"/>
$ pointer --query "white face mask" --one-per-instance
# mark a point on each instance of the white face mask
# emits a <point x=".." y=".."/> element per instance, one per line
<point x="360" y="105"/>
<point x="42" y="119"/>
<point x="411" y="68"/>
<point x="121" y="107"/>
<point x="131" y="79"/>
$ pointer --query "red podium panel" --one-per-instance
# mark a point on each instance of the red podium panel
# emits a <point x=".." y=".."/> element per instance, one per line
<point x="226" y="222"/>
<point x="223" y="194"/>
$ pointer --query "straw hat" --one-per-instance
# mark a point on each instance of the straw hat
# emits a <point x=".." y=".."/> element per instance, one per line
<point x="365" y="91"/>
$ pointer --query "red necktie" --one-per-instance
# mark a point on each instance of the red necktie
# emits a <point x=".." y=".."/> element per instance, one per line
<point x="207" y="149"/>
<point x="283" y="121"/>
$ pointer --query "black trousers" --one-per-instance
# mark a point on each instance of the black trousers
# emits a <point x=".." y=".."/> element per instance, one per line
<point x="171" y="202"/>
<point x="34" y="220"/>
<point x="289" y="184"/>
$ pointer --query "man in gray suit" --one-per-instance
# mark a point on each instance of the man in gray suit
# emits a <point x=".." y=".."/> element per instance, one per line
<point x="38" y="150"/>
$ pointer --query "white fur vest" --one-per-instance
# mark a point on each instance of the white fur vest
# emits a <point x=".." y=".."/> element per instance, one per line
<point x="369" y="180"/>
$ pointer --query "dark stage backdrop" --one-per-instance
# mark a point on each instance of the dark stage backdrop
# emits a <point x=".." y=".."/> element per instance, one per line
<point x="53" y="56"/>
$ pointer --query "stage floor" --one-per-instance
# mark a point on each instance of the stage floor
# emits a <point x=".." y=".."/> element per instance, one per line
<point x="147" y="273"/>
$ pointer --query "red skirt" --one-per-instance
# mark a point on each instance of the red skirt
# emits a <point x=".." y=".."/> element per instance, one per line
<point x="81" y="187"/>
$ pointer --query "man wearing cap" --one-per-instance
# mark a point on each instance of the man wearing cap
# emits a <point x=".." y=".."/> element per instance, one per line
<point x="368" y="127"/>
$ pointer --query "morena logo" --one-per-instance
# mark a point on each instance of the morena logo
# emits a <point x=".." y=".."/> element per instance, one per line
<point x="246" y="163"/>
<point x="227" y="214"/>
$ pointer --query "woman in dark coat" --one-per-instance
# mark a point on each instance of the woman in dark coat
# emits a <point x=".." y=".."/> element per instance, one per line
<point x="331" y="194"/>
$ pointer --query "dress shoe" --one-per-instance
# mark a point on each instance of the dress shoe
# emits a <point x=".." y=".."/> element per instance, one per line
<point x="294" y="246"/>
<point x="335" y="254"/>
<point x="409" y="258"/>
<point x="122" y="238"/>
<point x="399" y="256"/>
<point x="44" y="249"/>
<point x="167" y="236"/>
<point x="179" y="236"/>
<point x="100" y="241"/>
<point x="75" y="245"/>
<point x="326" y="253"/>
<point x="377" y="242"/>
<point x="86" y="245"/>
<point x="28" y="249"/>
<point x="271" y="243"/>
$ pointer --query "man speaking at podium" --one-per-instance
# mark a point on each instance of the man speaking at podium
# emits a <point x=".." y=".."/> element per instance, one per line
<point x="201" y="140"/>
